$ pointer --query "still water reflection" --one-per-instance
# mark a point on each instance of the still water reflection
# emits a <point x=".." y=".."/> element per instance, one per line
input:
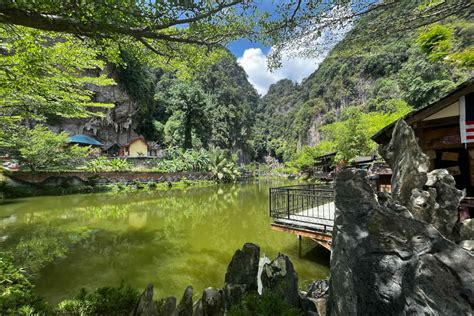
<point x="170" y="239"/>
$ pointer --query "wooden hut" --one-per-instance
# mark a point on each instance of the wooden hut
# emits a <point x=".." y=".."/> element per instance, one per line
<point x="445" y="132"/>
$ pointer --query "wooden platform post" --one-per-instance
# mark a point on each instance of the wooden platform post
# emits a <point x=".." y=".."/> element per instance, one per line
<point x="322" y="239"/>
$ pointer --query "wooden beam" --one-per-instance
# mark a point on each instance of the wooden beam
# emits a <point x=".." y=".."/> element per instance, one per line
<point x="325" y="244"/>
<point x="321" y="238"/>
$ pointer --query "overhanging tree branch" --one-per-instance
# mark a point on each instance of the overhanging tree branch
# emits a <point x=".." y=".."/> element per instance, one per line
<point x="151" y="29"/>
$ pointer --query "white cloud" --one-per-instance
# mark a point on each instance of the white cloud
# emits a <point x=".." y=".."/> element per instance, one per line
<point x="254" y="62"/>
<point x="294" y="67"/>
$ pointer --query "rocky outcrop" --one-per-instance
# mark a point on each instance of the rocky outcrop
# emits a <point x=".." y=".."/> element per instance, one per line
<point x="241" y="275"/>
<point x="391" y="253"/>
<point x="385" y="262"/>
<point x="146" y="305"/>
<point x="279" y="276"/>
<point x="213" y="302"/>
<point x="409" y="164"/>
<point x="185" y="307"/>
<point x="115" y="125"/>
<point x="242" y="278"/>
<point x="429" y="196"/>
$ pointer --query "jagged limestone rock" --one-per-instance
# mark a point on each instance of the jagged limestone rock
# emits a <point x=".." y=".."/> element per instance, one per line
<point x="185" y="307"/>
<point x="241" y="275"/>
<point x="167" y="306"/>
<point x="279" y="276"/>
<point x="387" y="264"/>
<point x="447" y="197"/>
<point x="146" y="306"/>
<point x="466" y="229"/>
<point x="467" y="244"/>
<point x="213" y="303"/>
<point x="198" y="308"/>
<point x="429" y="196"/>
<point x="318" y="288"/>
<point x="408" y="163"/>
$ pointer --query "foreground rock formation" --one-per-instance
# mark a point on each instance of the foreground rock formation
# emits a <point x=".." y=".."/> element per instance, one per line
<point x="278" y="277"/>
<point x="395" y="254"/>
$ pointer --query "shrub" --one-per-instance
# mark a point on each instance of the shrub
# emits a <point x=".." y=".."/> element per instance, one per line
<point x="16" y="291"/>
<point x="103" y="301"/>
<point x="118" y="164"/>
<point x="223" y="166"/>
<point x="268" y="304"/>
<point x="40" y="148"/>
<point x="103" y="164"/>
<point x="97" y="165"/>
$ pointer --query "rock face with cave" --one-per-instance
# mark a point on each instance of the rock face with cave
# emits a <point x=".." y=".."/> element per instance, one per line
<point x="395" y="254"/>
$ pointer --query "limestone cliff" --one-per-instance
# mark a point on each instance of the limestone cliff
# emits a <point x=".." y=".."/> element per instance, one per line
<point x="116" y="125"/>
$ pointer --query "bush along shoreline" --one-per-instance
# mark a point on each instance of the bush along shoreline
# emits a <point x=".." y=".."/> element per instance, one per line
<point x="252" y="286"/>
<point x="57" y="184"/>
<point x="178" y="169"/>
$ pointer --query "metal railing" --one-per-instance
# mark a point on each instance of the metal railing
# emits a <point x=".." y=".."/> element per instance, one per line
<point x="302" y="204"/>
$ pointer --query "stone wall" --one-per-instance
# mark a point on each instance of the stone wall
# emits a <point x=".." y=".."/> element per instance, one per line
<point x="106" y="177"/>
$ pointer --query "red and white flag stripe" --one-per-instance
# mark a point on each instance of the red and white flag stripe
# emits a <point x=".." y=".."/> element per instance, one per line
<point x="466" y="121"/>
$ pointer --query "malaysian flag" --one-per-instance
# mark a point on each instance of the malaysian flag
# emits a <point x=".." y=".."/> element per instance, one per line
<point x="466" y="117"/>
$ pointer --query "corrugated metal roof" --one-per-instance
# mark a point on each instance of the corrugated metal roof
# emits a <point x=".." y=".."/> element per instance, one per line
<point x="84" y="139"/>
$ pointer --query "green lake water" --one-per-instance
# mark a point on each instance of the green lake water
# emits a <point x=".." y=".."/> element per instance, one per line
<point x="169" y="238"/>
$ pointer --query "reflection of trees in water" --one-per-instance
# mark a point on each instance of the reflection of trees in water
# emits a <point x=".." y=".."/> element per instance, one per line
<point x="150" y="231"/>
<point x="33" y="247"/>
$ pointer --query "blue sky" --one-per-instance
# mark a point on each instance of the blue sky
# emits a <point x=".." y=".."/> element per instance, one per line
<point x="253" y="59"/>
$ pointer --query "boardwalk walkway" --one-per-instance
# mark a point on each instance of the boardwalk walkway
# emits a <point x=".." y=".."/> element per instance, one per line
<point x="306" y="210"/>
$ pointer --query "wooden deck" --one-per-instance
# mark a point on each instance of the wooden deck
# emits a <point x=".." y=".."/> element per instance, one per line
<point x="292" y="211"/>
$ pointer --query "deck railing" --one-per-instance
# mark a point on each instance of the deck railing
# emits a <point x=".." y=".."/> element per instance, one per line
<point x="309" y="203"/>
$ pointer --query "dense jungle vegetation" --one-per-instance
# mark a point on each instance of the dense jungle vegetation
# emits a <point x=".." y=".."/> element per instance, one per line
<point x="206" y="101"/>
<point x="361" y="87"/>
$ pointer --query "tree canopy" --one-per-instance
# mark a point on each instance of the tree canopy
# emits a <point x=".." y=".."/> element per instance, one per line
<point x="164" y="26"/>
<point x="40" y="148"/>
<point x="206" y="22"/>
<point x="42" y="75"/>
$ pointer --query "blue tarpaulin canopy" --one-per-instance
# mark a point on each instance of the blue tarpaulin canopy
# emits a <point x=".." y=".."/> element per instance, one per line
<point x="83" y="139"/>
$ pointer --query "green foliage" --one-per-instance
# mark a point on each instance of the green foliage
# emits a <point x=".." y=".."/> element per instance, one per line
<point x="16" y="291"/>
<point x="306" y="157"/>
<point x="223" y="166"/>
<point x="103" y="301"/>
<point x="350" y="137"/>
<point x="232" y="108"/>
<point x="178" y="160"/>
<point x="268" y="304"/>
<point x="43" y="74"/>
<point x="118" y="164"/>
<point x="40" y="148"/>
<point x="447" y="42"/>
<point x="139" y="80"/>
<point x="221" y="163"/>
<point x="374" y="75"/>
<point x="436" y="41"/>
<point x="101" y="164"/>
<point x="186" y="104"/>
<point x="45" y="245"/>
